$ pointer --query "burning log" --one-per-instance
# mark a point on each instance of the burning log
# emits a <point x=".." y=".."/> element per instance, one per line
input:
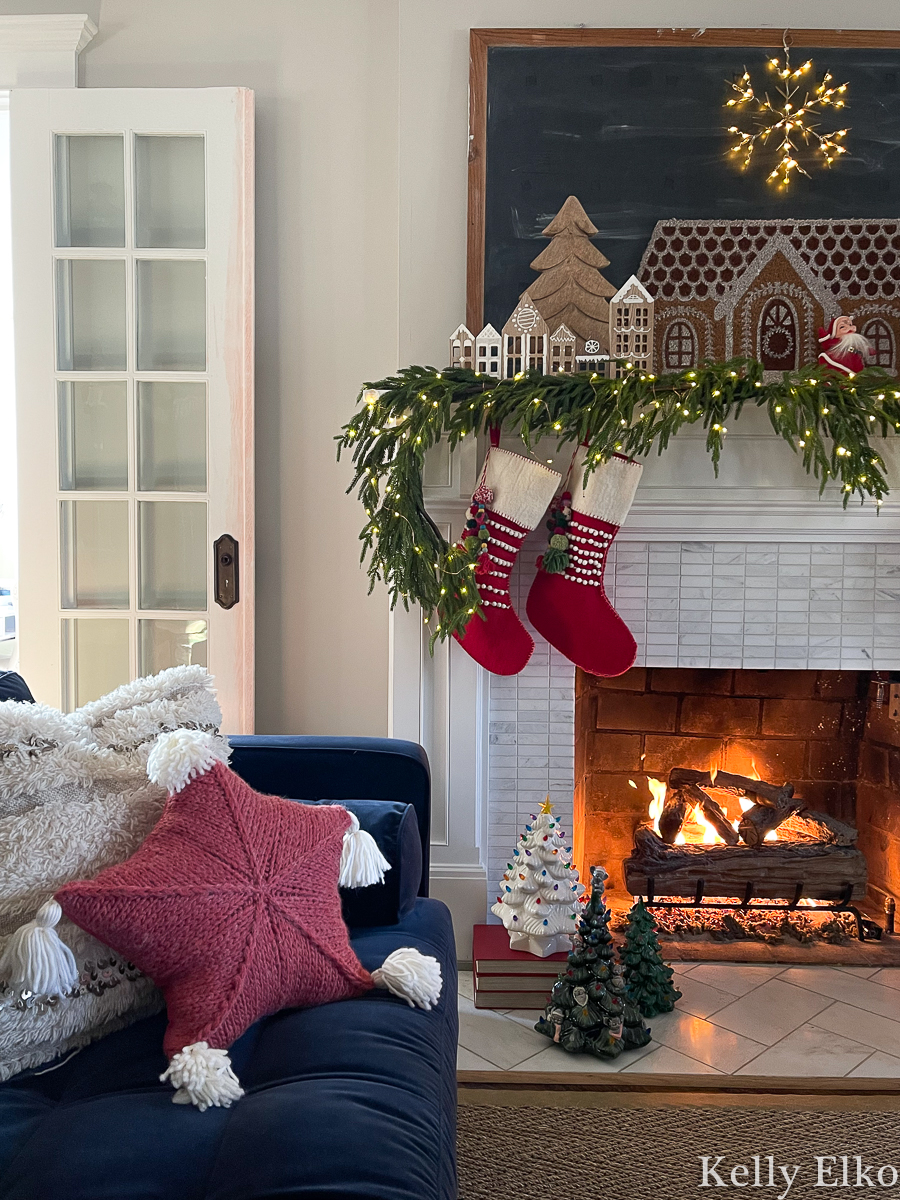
<point x="673" y="815"/>
<point x="774" y="869"/>
<point x="762" y="819"/>
<point x="713" y="814"/>
<point x="765" y="793"/>
<point x="820" y="828"/>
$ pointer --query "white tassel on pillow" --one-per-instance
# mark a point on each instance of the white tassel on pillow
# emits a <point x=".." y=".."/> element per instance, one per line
<point x="182" y="755"/>
<point x="414" y="977"/>
<point x="36" y="960"/>
<point x="203" y="1077"/>
<point x="362" y="863"/>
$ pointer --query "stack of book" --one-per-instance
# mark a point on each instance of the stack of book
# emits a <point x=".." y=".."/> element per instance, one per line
<point x="507" y="978"/>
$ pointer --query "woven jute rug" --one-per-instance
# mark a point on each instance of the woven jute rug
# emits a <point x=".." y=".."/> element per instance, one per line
<point x="568" y="1141"/>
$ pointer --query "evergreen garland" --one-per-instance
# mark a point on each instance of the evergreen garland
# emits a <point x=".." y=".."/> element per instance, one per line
<point x="826" y="418"/>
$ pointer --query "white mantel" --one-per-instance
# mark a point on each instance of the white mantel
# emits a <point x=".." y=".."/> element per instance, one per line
<point x="754" y="550"/>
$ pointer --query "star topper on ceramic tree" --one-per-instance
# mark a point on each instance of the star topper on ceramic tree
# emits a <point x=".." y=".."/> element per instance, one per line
<point x="787" y="124"/>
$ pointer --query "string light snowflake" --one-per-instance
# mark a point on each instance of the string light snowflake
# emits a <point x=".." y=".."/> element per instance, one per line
<point x="786" y="125"/>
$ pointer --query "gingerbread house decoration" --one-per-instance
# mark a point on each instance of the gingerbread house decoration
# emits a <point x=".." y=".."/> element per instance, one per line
<point x="562" y="350"/>
<point x="761" y="289"/>
<point x="631" y="313"/>
<point x="525" y="337"/>
<point x="704" y="290"/>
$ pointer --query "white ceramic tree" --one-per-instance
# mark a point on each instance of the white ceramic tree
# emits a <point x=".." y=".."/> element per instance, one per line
<point x="539" y="894"/>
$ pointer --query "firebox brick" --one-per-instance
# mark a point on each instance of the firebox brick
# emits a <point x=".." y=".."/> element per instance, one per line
<point x="880" y="727"/>
<point x="691" y="681"/>
<point x="776" y="759"/>
<point x="831" y="760"/>
<point x="634" y="680"/>
<point x="629" y="711"/>
<point x="873" y="763"/>
<point x="662" y="752"/>
<point x="606" y="794"/>
<point x="877" y="813"/>
<point x="614" y="751"/>
<point x="722" y="715"/>
<point x="801" y="718"/>
<point x="776" y="684"/>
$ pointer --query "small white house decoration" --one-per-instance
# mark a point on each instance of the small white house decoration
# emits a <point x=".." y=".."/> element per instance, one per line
<point x="487" y="351"/>
<point x="462" y="348"/>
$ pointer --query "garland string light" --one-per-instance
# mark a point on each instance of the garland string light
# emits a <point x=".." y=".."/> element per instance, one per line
<point x="828" y="419"/>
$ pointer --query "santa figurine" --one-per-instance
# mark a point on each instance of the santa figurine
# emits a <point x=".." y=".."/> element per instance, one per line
<point x="842" y="348"/>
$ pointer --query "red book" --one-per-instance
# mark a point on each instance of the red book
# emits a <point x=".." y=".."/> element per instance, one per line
<point x="491" y="955"/>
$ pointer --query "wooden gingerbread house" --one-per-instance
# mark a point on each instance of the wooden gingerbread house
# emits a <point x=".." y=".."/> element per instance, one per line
<point x="762" y="289"/>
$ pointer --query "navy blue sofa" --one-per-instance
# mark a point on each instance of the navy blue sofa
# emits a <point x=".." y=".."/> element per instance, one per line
<point x="348" y="1101"/>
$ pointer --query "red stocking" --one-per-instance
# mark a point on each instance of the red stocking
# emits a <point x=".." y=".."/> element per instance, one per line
<point x="567" y="603"/>
<point x="508" y="503"/>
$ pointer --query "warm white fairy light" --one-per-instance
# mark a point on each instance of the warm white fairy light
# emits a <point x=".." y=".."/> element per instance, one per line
<point x="786" y="124"/>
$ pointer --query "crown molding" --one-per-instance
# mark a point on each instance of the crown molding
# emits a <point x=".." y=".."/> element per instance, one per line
<point x="42" y="50"/>
<point x="50" y="33"/>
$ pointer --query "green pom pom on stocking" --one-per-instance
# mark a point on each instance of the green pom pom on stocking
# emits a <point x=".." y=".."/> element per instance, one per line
<point x="555" y="561"/>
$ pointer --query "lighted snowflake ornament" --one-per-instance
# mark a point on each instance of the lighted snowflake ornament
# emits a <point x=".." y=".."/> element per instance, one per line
<point x="787" y="125"/>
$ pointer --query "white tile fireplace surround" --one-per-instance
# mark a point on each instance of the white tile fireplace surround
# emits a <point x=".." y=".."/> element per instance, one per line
<point x="750" y="570"/>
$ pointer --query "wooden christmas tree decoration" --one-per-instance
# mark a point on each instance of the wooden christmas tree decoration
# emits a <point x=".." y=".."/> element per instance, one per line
<point x="649" y="979"/>
<point x="570" y="290"/>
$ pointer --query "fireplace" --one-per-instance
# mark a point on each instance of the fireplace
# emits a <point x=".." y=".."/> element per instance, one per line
<point x="828" y="735"/>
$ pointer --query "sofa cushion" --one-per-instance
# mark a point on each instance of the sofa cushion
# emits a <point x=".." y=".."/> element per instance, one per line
<point x="394" y="827"/>
<point x="349" y="1101"/>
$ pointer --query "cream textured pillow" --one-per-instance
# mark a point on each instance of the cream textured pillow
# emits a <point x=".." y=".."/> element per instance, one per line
<point x="75" y="798"/>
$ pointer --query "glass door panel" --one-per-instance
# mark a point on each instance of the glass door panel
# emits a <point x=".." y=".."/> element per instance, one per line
<point x="172" y="644"/>
<point x="171" y="437"/>
<point x="90" y="314"/>
<point x="95" y="657"/>
<point x="93" y="436"/>
<point x="94" y="553"/>
<point x="90" y="190"/>
<point x="172" y="554"/>
<point x="170" y="192"/>
<point x="171" y="314"/>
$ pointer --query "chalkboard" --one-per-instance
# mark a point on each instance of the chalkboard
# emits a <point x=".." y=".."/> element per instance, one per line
<point x="638" y="134"/>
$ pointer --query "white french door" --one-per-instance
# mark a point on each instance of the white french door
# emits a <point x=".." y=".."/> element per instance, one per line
<point x="132" y="216"/>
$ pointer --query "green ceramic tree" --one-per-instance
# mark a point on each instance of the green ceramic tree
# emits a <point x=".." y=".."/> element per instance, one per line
<point x="648" y="978"/>
<point x="590" y="1011"/>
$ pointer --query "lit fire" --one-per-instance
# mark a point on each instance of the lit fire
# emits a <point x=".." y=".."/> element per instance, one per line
<point x="697" y="830"/>
<point x="658" y="791"/>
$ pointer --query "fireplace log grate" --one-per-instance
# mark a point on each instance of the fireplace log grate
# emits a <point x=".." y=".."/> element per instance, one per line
<point x="866" y="930"/>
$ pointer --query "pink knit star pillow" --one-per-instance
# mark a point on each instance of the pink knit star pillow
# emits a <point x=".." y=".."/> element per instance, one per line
<point x="231" y="906"/>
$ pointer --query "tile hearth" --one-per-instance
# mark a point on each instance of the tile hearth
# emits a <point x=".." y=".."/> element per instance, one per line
<point x="732" y="1019"/>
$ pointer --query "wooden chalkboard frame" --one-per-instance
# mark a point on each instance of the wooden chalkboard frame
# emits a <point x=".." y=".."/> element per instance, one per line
<point x="481" y="40"/>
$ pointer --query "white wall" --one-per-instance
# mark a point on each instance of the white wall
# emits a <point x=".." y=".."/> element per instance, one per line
<point x="361" y="206"/>
<point x="325" y="78"/>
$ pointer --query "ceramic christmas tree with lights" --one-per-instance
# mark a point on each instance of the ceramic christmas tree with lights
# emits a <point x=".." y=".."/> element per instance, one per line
<point x="539" y="893"/>
<point x="590" y="1009"/>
